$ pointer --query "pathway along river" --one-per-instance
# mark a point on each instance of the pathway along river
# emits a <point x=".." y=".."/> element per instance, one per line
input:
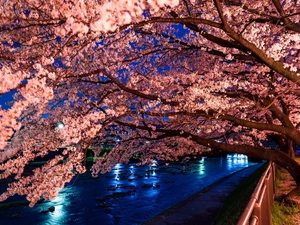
<point x="127" y="195"/>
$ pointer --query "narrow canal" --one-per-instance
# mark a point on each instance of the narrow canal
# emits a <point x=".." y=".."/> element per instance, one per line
<point x="127" y="195"/>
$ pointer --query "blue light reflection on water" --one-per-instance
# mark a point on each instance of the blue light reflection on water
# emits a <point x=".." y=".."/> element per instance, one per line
<point x="127" y="195"/>
<point x="236" y="159"/>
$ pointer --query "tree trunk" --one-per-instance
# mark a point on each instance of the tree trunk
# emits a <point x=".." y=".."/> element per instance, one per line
<point x="285" y="145"/>
<point x="289" y="149"/>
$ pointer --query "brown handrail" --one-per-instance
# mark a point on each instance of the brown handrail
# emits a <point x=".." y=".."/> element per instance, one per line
<point x="259" y="209"/>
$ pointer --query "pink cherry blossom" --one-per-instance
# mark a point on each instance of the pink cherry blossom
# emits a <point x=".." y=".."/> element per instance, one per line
<point x="159" y="79"/>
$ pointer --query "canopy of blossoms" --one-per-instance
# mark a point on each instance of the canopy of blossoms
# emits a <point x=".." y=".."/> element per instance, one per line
<point x="169" y="78"/>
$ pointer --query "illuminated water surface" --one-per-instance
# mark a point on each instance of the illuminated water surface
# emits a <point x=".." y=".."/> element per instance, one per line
<point x="127" y="195"/>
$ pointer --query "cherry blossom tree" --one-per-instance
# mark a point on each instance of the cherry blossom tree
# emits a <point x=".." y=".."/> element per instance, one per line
<point x="170" y="79"/>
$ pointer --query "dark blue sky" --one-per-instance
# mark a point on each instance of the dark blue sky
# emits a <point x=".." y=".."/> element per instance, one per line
<point x="7" y="97"/>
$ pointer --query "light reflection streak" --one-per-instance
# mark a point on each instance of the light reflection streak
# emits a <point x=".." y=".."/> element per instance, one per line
<point x="202" y="166"/>
<point x="234" y="160"/>
<point x="116" y="171"/>
<point x="153" y="167"/>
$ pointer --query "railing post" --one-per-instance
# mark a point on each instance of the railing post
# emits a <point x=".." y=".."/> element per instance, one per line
<point x="254" y="220"/>
<point x="257" y="213"/>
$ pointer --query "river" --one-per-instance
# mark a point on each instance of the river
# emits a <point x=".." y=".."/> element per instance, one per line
<point x="127" y="195"/>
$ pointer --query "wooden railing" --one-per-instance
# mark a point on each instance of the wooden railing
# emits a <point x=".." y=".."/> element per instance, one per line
<point x="259" y="208"/>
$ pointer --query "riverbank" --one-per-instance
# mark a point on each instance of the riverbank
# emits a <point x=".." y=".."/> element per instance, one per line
<point x="285" y="210"/>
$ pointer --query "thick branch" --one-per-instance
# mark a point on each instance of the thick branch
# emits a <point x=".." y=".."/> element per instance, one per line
<point x="284" y="119"/>
<point x="275" y="65"/>
<point x="136" y="92"/>
<point x="220" y="12"/>
<point x="287" y="22"/>
<point x="292" y="133"/>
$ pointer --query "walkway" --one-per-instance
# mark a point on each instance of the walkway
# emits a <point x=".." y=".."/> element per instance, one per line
<point x="202" y="207"/>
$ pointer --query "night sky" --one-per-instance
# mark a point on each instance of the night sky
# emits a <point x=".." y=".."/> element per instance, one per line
<point x="7" y="97"/>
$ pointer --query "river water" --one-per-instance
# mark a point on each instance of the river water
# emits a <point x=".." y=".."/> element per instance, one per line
<point x="127" y="195"/>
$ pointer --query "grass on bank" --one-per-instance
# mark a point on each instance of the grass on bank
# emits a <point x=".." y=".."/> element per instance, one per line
<point x="11" y="204"/>
<point x="282" y="212"/>
<point x="236" y="202"/>
<point x="17" y="203"/>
